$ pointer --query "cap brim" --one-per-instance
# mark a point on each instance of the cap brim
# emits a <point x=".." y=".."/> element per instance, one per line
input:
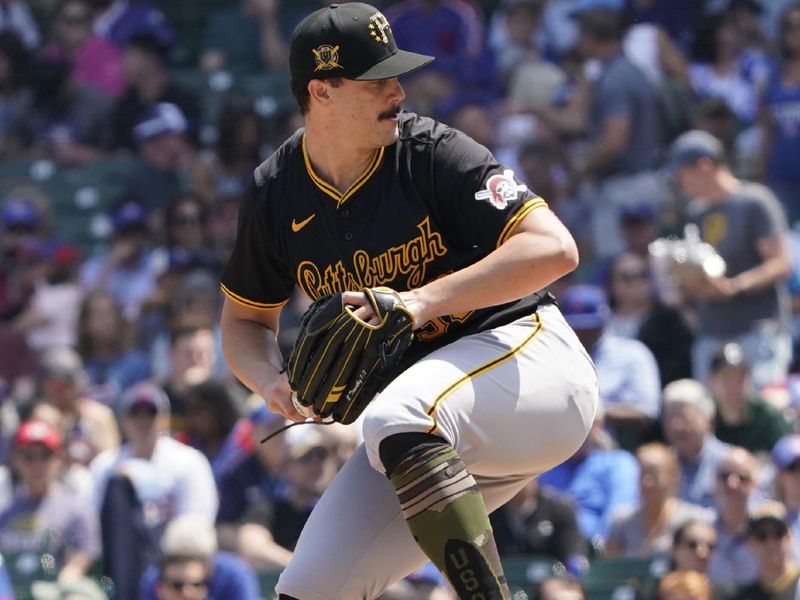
<point x="399" y="63"/>
<point x="585" y="321"/>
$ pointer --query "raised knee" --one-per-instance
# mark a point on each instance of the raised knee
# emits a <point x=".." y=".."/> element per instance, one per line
<point x="396" y="448"/>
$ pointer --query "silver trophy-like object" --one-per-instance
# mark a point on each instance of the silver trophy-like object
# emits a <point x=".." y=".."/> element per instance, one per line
<point x="679" y="264"/>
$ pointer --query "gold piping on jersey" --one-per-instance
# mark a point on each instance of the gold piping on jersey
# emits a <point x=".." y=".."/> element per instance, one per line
<point x="249" y="303"/>
<point x="495" y="362"/>
<point x="523" y="211"/>
<point x="326" y="187"/>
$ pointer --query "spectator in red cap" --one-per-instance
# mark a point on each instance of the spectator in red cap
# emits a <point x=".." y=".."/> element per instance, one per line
<point x="46" y="518"/>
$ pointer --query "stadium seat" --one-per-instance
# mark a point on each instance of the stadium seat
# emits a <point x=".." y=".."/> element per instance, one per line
<point x="267" y="580"/>
<point x="525" y="573"/>
<point x="619" y="578"/>
<point x="79" y="198"/>
<point x="623" y="568"/>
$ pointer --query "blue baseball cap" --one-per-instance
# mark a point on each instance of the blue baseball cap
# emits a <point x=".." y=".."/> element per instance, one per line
<point x="129" y="215"/>
<point x="145" y="393"/>
<point x="585" y="306"/>
<point x="164" y="117"/>
<point x="261" y="415"/>
<point x="786" y="450"/>
<point x="427" y="574"/>
<point x="637" y="211"/>
<point x="19" y="211"/>
<point x="690" y="147"/>
<point x="581" y="6"/>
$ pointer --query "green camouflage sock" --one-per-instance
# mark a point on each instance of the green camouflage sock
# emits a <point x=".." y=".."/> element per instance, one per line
<point x="449" y="521"/>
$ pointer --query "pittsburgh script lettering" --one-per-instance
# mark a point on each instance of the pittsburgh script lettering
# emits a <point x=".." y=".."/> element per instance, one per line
<point x="410" y="259"/>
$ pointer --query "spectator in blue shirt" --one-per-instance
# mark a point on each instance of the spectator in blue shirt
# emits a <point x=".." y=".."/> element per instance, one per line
<point x="627" y="372"/>
<point x="189" y="556"/>
<point x="257" y="479"/>
<point x="120" y="20"/>
<point x="599" y="478"/>
<point x="6" y="593"/>
<point x="779" y="156"/>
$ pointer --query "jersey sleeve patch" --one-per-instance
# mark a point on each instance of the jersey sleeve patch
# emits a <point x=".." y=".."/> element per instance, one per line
<point x="501" y="189"/>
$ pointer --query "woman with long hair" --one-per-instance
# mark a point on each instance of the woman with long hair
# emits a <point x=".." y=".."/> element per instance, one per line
<point x="637" y="313"/>
<point x="105" y="342"/>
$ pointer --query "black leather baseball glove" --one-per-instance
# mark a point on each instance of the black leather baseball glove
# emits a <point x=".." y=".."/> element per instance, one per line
<point x="339" y="362"/>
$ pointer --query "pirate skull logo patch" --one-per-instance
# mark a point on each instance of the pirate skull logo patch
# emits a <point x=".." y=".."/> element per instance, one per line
<point x="501" y="188"/>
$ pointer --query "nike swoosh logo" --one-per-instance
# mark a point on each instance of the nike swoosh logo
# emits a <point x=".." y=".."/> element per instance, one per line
<point x="298" y="226"/>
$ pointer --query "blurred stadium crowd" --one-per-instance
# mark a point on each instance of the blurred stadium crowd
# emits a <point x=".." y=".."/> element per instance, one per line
<point x="130" y="462"/>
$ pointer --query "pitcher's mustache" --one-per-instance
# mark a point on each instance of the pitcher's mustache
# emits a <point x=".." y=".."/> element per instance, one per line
<point x="388" y="114"/>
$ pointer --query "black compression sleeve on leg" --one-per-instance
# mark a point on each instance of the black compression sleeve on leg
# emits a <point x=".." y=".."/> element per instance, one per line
<point x="394" y="449"/>
<point x="445" y="512"/>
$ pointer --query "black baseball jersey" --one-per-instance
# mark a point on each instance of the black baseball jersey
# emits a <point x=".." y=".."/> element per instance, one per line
<point x="430" y="204"/>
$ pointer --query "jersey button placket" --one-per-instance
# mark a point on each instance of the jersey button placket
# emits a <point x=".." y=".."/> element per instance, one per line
<point x="345" y="213"/>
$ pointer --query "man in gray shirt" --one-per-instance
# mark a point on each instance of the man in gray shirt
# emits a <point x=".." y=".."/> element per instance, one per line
<point x="744" y="222"/>
<point x="624" y="130"/>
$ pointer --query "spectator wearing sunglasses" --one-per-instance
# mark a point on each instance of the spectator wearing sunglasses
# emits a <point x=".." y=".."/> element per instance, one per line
<point x="183" y="578"/>
<point x="192" y="568"/>
<point x="734" y="492"/>
<point x="770" y="539"/>
<point x="307" y="467"/>
<point x="636" y="313"/>
<point x="692" y="546"/>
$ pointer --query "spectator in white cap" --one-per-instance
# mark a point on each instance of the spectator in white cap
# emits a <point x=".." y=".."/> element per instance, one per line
<point x="190" y="564"/>
<point x="151" y="479"/>
<point x="308" y="465"/>
<point x="688" y="421"/>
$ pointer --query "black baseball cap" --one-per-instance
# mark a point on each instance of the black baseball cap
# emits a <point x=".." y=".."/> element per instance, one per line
<point x="352" y="40"/>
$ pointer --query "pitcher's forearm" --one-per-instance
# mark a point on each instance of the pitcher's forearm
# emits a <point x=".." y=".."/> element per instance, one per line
<point x="251" y="352"/>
